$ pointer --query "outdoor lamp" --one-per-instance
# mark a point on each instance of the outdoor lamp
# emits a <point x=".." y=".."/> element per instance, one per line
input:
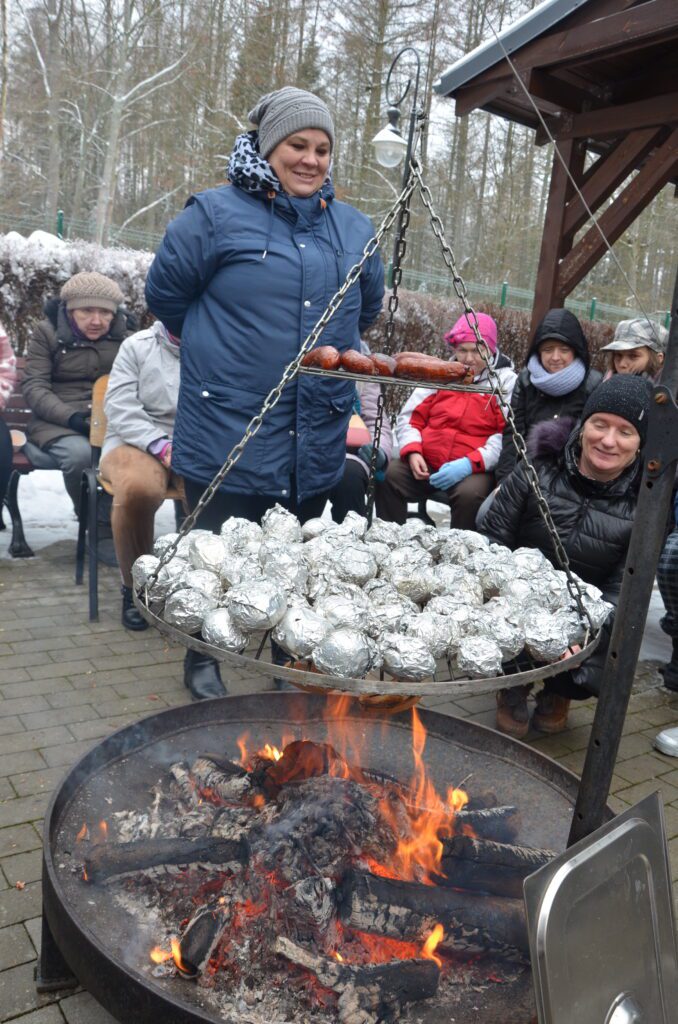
<point x="389" y="146"/>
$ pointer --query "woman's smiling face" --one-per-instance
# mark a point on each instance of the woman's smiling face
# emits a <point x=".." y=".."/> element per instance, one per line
<point x="301" y="161"/>
<point x="609" y="444"/>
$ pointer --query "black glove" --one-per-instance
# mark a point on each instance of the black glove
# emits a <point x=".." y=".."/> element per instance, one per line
<point x="80" y="422"/>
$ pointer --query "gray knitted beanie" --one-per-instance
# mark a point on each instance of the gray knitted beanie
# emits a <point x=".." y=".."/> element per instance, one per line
<point x="623" y="395"/>
<point x="89" y="288"/>
<point x="288" y="110"/>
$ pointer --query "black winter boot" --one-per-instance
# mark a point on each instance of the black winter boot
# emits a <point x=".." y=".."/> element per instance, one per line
<point x="131" y="619"/>
<point x="669" y="672"/>
<point x="201" y="676"/>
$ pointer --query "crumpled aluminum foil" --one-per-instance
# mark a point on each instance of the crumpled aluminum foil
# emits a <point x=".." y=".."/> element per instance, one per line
<point x="280" y="522"/>
<point x="237" y="532"/>
<point x="530" y="561"/>
<point x="219" y="629"/>
<point x="523" y="592"/>
<point x="380" y="590"/>
<point x="509" y="636"/>
<point x="354" y="563"/>
<point x="354" y="527"/>
<point x="460" y="544"/>
<point x="379" y="551"/>
<point x="496" y="574"/>
<point x="170" y="578"/>
<point x="206" y="552"/>
<point x="433" y="540"/>
<point x="412" y="528"/>
<point x="143" y="569"/>
<point x="312" y="528"/>
<point x="548" y="634"/>
<point x="390" y="614"/>
<point x="187" y="608"/>
<point x="205" y="581"/>
<point x="286" y="566"/>
<point x="341" y="611"/>
<point x="256" y="605"/>
<point x="417" y="584"/>
<point x="455" y="581"/>
<point x="432" y="629"/>
<point x="346" y="652"/>
<point x="407" y="657"/>
<point x="163" y="543"/>
<point x="239" y="568"/>
<point x="383" y="533"/>
<point x="478" y="657"/>
<point x="300" y="630"/>
<point x="592" y="598"/>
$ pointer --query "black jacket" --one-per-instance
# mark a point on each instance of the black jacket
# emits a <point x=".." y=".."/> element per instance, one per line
<point x="531" y="406"/>
<point x="592" y="519"/>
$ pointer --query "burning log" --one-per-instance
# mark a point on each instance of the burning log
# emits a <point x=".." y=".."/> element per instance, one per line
<point x="224" y="779"/>
<point x="200" y="937"/>
<point x="481" y="865"/>
<point x="118" y="859"/>
<point x="408" y="911"/>
<point x="365" y="987"/>
<point x="499" y="823"/>
<point x="302" y="760"/>
<point x="311" y="911"/>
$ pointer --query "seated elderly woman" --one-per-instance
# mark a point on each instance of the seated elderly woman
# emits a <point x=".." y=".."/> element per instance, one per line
<point x="140" y="406"/>
<point x="75" y="343"/>
<point x="590" y="482"/>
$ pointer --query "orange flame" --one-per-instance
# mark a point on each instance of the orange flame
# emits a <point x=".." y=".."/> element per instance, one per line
<point x="82" y="834"/>
<point x="159" y="956"/>
<point x="270" y="752"/>
<point x="418" y="855"/>
<point x="432" y="942"/>
<point x="176" y="956"/>
<point x="85" y="876"/>
<point x="338" y="956"/>
<point x="103" y="830"/>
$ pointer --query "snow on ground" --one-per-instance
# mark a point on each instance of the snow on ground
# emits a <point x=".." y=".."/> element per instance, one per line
<point x="48" y="515"/>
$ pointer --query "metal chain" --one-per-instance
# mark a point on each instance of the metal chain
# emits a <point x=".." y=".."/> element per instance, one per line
<point x="517" y="438"/>
<point x="393" y="302"/>
<point x="289" y="373"/>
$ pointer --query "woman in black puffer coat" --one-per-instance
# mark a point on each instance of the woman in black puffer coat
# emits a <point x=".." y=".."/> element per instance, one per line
<point x="556" y="380"/>
<point x="590" y="483"/>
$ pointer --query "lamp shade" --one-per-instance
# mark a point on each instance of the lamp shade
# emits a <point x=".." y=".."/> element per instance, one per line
<point x="389" y="146"/>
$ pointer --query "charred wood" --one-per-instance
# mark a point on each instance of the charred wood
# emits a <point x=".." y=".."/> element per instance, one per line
<point x="310" y="909"/>
<point x="409" y="911"/>
<point x="499" y="823"/>
<point x="481" y="865"/>
<point x="404" y="981"/>
<point x="229" y="785"/>
<point x="302" y="760"/>
<point x="117" y="859"/>
<point x="200" y="936"/>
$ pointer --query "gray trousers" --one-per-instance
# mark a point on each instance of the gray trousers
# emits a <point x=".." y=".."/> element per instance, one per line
<point x="71" y="454"/>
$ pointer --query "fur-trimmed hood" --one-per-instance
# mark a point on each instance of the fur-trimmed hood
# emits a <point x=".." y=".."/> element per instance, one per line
<point x="548" y="439"/>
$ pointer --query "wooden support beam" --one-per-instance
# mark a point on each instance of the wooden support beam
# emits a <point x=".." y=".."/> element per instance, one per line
<point x="607" y="121"/>
<point x="561" y="94"/>
<point x="607" y="174"/>
<point x="605" y="37"/>
<point x="472" y="97"/>
<point x="657" y="171"/>
<point x="560" y="190"/>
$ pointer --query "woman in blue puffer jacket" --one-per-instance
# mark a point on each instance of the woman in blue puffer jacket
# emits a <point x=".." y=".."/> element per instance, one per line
<point x="242" y="275"/>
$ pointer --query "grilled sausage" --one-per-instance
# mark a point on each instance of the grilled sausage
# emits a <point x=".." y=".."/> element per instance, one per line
<point x="325" y="358"/>
<point x="384" y="365"/>
<point x="428" y="368"/>
<point x="356" y="362"/>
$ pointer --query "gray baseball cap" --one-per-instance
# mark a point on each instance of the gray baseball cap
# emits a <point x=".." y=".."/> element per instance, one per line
<point x="635" y="333"/>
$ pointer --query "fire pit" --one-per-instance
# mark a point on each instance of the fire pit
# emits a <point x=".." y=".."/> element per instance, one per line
<point x="261" y="832"/>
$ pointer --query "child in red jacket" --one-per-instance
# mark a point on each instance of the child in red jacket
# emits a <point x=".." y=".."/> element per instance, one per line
<point x="449" y="440"/>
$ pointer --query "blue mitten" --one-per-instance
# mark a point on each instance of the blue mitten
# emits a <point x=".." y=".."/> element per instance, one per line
<point x="365" y="453"/>
<point x="451" y="473"/>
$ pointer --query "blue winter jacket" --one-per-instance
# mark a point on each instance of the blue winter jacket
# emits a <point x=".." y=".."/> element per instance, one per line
<point x="243" y="277"/>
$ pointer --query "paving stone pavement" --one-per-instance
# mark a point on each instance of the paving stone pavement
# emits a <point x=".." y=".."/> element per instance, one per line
<point x="66" y="682"/>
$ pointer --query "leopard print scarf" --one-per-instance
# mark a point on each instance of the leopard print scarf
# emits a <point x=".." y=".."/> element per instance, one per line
<point x="248" y="170"/>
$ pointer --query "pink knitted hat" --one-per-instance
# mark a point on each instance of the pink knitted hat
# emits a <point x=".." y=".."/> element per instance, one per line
<point x="461" y="333"/>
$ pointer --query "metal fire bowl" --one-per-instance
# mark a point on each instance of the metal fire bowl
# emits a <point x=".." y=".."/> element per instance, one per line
<point x="108" y="950"/>
<point x="462" y="687"/>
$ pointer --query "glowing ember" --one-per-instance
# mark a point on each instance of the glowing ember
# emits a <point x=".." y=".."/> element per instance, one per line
<point x="434" y="940"/>
<point x="103" y="831"/>
<point x="82" y="834"/>
<point x="338" y="956"/>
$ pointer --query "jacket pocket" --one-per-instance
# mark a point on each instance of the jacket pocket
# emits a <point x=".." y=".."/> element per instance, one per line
<point x="224" y="416"/>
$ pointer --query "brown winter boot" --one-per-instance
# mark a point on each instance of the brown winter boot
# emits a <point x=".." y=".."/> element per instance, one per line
<point x="550" y="714"/>
<point x="512" y="714"/>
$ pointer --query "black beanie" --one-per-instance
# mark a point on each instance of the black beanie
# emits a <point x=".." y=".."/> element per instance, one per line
<point x="625" y="395"/>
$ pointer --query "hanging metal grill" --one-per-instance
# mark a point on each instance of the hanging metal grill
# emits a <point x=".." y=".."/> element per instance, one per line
<point x="376" y="686"/>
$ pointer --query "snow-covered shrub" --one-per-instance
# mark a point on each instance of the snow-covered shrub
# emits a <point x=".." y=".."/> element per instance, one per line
<point x="33" y="269"/>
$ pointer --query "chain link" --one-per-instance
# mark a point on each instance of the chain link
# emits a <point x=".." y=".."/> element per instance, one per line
<point x="288" y="375"/>
<point x="518" y="440"/>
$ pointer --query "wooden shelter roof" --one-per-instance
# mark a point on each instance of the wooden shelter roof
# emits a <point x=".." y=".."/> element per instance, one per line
<point x="600" y="69"/>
